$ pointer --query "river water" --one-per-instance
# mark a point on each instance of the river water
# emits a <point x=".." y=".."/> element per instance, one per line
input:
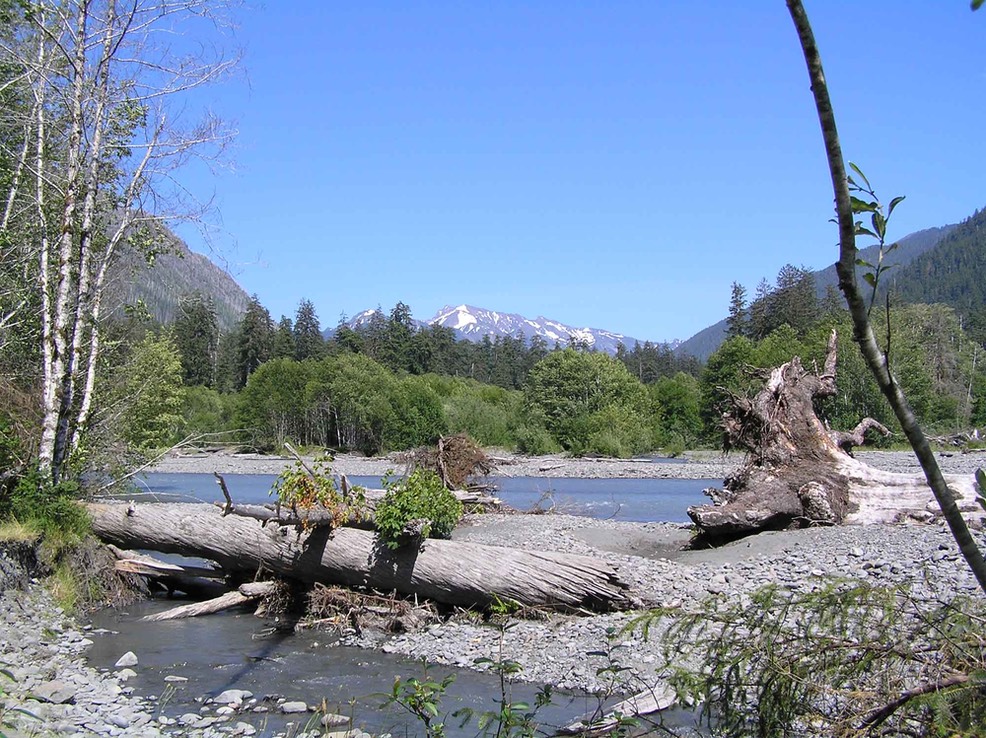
<point x="634" y="500"/>
<point x="233" y="651"/>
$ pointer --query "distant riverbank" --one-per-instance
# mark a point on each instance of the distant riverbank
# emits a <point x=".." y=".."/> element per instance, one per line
<point x="693" y="465"/>
<point x="702" y="464"/>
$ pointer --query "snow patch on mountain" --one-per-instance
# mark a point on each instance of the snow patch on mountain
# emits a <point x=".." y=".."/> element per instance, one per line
<point x="474" y="323"/>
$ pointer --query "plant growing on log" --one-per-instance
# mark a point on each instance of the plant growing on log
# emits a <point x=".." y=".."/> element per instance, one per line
<point x="415" y="508"/>
<point x="307" y="487"/>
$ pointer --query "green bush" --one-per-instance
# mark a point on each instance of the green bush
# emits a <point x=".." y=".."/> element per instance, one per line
<point x="420" y="497"/>
<point x="535" y="440"/>
<point x="51" y="508"/>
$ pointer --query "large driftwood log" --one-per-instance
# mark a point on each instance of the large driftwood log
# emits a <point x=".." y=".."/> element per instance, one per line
<point x="455" y="573"/>
<point x="358" y="516"/>
<point x="798" y="473"/>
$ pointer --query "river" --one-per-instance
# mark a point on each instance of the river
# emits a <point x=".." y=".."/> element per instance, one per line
<point x="632" y="500"/>
<point x="233" y="650"/>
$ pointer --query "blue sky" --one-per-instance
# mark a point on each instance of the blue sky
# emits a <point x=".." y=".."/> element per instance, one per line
<point x="607" y="164"/>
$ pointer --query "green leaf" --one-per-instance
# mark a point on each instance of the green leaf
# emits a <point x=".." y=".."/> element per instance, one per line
<point x="894" y="203"/>
<point x="860" y="173"/>
<point x="862" y="206"/>
<point x="981" y="481"/>
<point x="870" y="278"/>
<point x="862" y="230"/>
<point x="879" y="225"/>
<point x="864" y="263"/>
<point x="976" y="4"/>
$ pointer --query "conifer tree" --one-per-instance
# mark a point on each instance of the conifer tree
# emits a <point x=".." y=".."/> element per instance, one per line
<point x="256" y="340"/>
<point x="284" y="346"/>
<point x="738" y="322"/>
<point x="308" y="341"/>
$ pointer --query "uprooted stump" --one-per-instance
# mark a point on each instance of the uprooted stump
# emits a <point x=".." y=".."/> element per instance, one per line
<point x="798" y="473"/>
<point x="450" y="572"/>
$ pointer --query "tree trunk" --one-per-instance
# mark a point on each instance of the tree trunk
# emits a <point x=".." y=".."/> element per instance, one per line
<point x="798" y="474"/>
<point x="451" y="572"/>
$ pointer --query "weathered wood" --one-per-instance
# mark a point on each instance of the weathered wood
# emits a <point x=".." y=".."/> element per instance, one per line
<point x="452" y="572"/>
<point x="645" y="703"/>
<point x="193" y="581"/>
<point x="359" y="516"/>
<point x="245" y="593"/>
<point x="797" y="474"/>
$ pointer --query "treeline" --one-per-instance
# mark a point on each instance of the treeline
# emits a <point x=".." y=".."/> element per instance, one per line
<point x="389" y="384"/>
<point x="937" y="362"/>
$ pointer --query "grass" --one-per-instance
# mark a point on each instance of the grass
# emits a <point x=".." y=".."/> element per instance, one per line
<point x="13" y="531"/>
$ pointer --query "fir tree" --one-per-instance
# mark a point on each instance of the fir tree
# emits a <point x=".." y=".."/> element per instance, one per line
<point x="738" y="322"/>
<point x="308" y="341"/>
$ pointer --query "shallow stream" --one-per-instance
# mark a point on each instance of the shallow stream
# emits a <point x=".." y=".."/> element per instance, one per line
<point x="232" y="651"/>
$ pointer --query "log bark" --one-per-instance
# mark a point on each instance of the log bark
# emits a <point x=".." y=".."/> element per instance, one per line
<point x="647" y="702"/>
<point x="451" y="572"/>
<point x="193" y="581"/>
<point x="798" y="473"/>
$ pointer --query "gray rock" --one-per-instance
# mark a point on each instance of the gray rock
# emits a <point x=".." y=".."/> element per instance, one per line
<point x="294" y="706"/>
<point x="332" y="720"/>
<point x="233" y="696"/>
<point x="56" y="692"/>
<point x="127" y="659"/>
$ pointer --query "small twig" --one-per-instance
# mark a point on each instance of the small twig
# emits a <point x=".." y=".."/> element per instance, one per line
<point x="880" y="715"/>
<point x="304" y="464"/>
<point x="228" y="508"/>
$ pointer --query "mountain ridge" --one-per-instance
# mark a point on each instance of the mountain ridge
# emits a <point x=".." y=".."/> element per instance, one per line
<point x="473" y="323"/>
<point x="705" y="342"/>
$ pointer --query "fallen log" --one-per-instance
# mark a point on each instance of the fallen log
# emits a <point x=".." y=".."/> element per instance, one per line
<point x="193" y="581"/>
<point x="359" y="515"/>
<point x="245" y="593"/>
<point x="798" y="473"/>
<point x="451" y="572"/>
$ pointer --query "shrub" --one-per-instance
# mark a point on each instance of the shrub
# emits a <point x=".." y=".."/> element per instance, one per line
<point x="535" y="440"/>
<point x="51" y="508"/>
<point x="417" y="507"/>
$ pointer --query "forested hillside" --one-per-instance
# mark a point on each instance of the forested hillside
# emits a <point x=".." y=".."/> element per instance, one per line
<point x="951" y="273"/>
<point x="909" y="248"/>
<point x="171" y="274"/>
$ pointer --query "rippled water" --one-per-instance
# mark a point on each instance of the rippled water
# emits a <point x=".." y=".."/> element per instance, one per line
<point x="226" y="651"/>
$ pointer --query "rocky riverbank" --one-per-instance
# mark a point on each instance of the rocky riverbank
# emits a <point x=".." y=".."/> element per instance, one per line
<point x="692" y="465"/>
<point x="49" y="690"/>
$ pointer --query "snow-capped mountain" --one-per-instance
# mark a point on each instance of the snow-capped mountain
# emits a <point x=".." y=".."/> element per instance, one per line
<point x="473" y="323"/>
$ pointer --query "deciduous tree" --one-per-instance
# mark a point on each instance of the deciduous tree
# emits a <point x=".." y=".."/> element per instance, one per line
<point x="96" y="157"/>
